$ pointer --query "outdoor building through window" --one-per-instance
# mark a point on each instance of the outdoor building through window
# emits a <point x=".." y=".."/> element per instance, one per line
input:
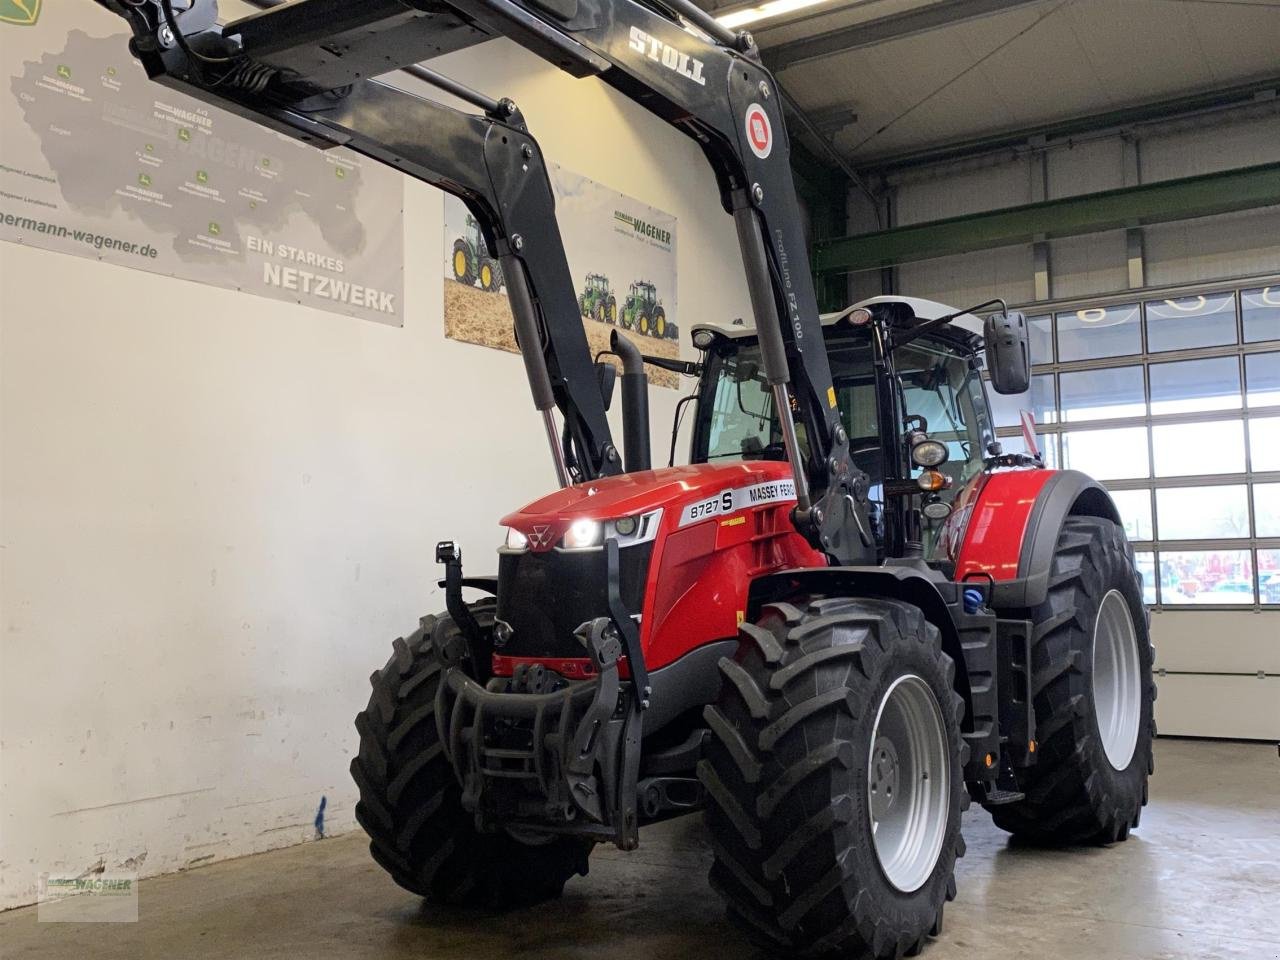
<point x="1173" y="403"/>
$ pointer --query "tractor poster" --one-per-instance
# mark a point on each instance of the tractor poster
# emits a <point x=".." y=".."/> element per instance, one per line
<point x="622" y="256"/>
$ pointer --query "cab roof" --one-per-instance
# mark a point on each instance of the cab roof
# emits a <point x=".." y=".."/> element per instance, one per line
<point x="922" y="308"/>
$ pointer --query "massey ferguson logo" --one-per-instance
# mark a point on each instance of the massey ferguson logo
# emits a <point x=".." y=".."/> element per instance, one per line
<point x="540" y="537"/>
<point x="668" y="56"/>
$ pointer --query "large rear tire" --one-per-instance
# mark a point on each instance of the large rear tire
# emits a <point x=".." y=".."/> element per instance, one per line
<point x="411" y="803"/>
<point x="1093" y="695"/>
<point x="833" y="777"/>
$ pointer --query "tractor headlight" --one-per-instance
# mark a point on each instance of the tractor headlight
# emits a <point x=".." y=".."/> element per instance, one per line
<point x="702" y="339"/>
<point x="583" y="534"/>
<point x="516" y="540"/>
<point x="929" y="453"/>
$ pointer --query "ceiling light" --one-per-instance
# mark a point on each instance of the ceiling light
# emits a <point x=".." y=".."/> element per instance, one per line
<point x="763" y="11"/>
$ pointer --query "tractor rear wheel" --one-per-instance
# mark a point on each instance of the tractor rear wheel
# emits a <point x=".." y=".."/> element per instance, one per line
<point x="833" y="777"/>
<point x="411" y="803"/>
<point x="462" y="263"/>
<point x="1093" y="695"/>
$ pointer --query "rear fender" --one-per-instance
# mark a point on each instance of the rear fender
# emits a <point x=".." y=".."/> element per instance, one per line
<point x="1011" y="532"/>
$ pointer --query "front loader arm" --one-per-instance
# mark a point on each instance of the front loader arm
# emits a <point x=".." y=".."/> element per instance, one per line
<point x="489" y="161"/>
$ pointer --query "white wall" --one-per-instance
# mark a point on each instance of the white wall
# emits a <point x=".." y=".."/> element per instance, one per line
<point x="1195" y="648"/>
<point x="216" y="511"/>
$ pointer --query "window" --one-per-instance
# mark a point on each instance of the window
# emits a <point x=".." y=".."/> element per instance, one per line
<point x="1260" y="310"/>
<point x="1093" y="332"/>
<point x="1186" y="323"/>
<point x="1173" y="404"/>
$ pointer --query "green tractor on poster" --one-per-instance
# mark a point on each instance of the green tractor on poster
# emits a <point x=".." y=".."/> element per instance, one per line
<point x="643" y="311"/>
<point x="471" y="260"/>
<point x="597" y="300"/>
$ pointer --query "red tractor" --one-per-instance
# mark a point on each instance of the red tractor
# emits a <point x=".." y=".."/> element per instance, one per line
<point x="848" y="616"/>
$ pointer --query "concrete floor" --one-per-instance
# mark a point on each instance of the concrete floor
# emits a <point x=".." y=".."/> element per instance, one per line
<point x="1199" y="880"/>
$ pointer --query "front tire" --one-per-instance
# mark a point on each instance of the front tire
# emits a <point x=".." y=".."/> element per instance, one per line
<point x="462" y="271"/>
<point x="801" y="734"/>
<point x="411" y="804"/>
<point x="1093" y="693"/>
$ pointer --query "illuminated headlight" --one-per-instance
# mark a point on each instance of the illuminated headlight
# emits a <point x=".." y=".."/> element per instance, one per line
<point x="583" y="533"/>
<point x="929" y="453"/>
<point x="516" y="540"/>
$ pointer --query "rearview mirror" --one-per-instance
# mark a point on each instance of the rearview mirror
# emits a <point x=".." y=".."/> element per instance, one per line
<point x="1008" y="352"/>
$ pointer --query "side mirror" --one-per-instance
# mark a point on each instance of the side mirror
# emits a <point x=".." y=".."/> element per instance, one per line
<point x="1008" y="352"/>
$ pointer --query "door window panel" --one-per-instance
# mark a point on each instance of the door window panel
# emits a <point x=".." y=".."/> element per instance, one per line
<point x="1269" y="576"/>
<point x="1094" y="332"/>
<point x="1260" y="311"/>
<point x="1264" y="444"/>
<point x="1189" y="449"/>
<point x="1135" y="512"/>
<point x="1266" y="509"/>
<point x="1186" y="323"/>
<point x="1206" y="578"/>
<point x="1203" y="513"/>
<point x="1262" y="377"/>
<point x="1102" y="394"/>
<point x="1190" y="386"/>
<point x="1146" y="562"/>
<point x="1107" y="454"/>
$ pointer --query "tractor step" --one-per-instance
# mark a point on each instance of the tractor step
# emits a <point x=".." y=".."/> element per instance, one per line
<point x="995" y="797"/>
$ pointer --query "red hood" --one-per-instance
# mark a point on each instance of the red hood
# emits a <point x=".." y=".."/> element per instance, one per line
<point x="634" y="493"/>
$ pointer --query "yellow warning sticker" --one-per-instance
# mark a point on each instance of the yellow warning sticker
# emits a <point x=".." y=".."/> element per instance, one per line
<point x="831" y="396"/>
<point x="733" y="522"/>
<point x="741" y="616"/>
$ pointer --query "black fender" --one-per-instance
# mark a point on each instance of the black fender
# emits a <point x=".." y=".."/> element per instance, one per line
<point x="914" y="583"/>
<point x="1067" y="493"/>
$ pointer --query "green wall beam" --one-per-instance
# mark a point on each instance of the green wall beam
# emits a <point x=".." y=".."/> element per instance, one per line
<point x="1201" y="196"/>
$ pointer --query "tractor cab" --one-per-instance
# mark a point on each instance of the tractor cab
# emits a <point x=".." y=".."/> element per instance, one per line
<point x="918" y="418"/>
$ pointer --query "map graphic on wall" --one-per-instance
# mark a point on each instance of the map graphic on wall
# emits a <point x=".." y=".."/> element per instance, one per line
<point x="622" y="256"/>
<point x="99" y="162"/>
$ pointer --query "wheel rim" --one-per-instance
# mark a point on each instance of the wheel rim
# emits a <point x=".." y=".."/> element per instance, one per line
<point x="662" y="326"/>
<point x="459" y="263"/>
<point x="908" y="783"/>
<point x="1117" y="680"/>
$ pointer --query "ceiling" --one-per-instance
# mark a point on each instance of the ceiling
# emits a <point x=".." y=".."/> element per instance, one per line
<point x="891" y="78"/>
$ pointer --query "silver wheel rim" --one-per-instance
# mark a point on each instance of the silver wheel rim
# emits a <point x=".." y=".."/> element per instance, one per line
<point x="1117" y="680"/>
<point x="908" y="783"/>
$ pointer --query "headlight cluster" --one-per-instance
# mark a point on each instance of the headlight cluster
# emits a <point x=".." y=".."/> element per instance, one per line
<point x="588" y="534"/>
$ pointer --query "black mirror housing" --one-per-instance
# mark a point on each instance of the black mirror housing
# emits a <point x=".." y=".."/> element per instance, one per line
<point x="1008" y="344"/>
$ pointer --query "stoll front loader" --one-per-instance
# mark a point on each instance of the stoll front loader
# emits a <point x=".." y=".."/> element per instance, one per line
<point x="850" y="614"/>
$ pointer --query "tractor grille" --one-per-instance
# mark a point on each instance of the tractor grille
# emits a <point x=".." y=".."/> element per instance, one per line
<point x="547" y="596"/>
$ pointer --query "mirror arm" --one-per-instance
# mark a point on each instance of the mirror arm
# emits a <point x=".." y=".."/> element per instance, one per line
<point x="922" y="329"/>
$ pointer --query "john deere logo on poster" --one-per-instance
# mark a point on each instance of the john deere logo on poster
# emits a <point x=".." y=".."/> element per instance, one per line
<point x="22" y="12"/>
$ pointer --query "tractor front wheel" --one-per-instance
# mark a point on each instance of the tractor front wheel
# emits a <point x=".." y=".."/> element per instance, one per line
<point x="411" y="804"/>
<point x="462" y="271"/>
<point x="613" y="311"/>
<point x="1093" y="695"/>
<point x="487" y="277"/>
<point x="833" y="777"/>
<point x="643" y="323"/>
<point x="660" y="324"/>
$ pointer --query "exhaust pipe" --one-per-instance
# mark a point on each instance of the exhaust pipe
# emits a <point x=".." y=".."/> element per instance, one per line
<point x="635" y="404"/>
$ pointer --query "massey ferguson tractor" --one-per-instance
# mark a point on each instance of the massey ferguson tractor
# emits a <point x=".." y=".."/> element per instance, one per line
<point x="849" y="615"/>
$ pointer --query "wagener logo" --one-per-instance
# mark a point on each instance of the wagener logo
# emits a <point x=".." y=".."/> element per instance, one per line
<point x="21" y="12"/>
<point x="668" y="56"/>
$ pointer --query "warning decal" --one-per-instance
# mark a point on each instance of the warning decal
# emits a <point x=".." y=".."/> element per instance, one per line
<point x="759" y="131"/>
